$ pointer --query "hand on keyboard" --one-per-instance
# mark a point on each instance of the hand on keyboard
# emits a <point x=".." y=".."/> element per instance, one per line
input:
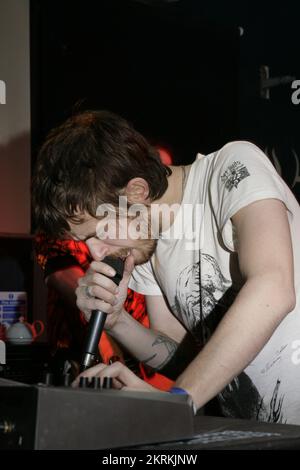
<point x="122" y="377"/>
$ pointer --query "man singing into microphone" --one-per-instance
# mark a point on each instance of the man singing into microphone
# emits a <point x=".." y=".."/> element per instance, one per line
<point x="213" y="246"/>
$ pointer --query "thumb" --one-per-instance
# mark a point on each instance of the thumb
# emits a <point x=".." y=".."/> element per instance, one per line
<point x="97" y="250"/>
<point x="128" y="267"/>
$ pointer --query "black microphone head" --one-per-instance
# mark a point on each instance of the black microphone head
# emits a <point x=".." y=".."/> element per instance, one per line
<point x="118" y="265"/>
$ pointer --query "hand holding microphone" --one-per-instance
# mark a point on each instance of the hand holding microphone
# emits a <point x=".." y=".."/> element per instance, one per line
<point x="101" y="293"/>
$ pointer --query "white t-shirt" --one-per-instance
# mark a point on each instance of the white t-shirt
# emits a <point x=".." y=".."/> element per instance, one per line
<point x="218" y="186"/>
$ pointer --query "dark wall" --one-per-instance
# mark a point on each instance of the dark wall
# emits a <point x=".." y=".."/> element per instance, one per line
<point x="179" y="70"/>
<point x="165" y="68"/>
<point x="271" y="37"/>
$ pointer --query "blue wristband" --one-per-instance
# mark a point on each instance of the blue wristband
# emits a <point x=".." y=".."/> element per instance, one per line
<point x="178" y="391"/>
<point x="181" y="391"/>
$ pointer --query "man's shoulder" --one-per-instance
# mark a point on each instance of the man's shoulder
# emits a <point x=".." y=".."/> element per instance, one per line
<point x="239" y="147"/>
<point x="239" y="153"/>
<point x="236" y="149"/>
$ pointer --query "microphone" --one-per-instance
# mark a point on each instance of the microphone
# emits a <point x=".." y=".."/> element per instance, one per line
<point x="97" y="320"/>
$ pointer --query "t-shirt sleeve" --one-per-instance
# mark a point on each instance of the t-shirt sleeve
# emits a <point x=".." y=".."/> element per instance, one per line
<point x="242" y="175"/>
<point x="143" y="281"/>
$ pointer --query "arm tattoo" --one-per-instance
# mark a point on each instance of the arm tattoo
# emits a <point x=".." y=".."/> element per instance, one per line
<point x="173" y="358"/>
<point x="170" y="346"/>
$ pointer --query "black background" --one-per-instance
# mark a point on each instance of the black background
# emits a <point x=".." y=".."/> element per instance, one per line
<point x="180" y="71"/>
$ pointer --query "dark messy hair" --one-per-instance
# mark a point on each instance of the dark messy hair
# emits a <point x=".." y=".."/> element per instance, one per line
<point x="87" y="161"/>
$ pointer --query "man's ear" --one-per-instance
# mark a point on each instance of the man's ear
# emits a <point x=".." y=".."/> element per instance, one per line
<point x="137" y="191"/>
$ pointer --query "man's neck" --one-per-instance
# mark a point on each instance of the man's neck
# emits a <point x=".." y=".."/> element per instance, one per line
<point x="173" y="194"/>
<point x="172" y="197"/>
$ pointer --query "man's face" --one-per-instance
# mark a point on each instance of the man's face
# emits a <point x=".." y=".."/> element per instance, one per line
<point x="120" y="243"/>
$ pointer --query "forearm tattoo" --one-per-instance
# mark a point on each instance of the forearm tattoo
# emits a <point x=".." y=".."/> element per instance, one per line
<point x="166" y="350"/>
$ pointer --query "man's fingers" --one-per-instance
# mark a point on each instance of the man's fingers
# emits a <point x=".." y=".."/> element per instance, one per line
<point x="128" y="267"/>
<point x="97" y="279"/>
<point x="86" y="279"/>
<point x="101" y="294"/>
<point x="98" y="371"/>
<point x="103" y="268"/>
<point x="91" y="372"/>
<point x="125" y="376"/>
<point x="90" y="296"/>
<point x="98" y="252"/>
<point x="84" y="303"/>
<point x="122" y="373"/>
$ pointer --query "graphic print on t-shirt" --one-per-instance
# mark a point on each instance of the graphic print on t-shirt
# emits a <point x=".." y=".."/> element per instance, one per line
<point x="216" y="295"/>
<point x="241" y="399"/>
<point x="234" y="174"/>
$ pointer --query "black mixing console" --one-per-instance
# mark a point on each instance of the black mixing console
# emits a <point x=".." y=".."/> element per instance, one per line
<point x="91" y="416"/>
<point x="94" y="417"/>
